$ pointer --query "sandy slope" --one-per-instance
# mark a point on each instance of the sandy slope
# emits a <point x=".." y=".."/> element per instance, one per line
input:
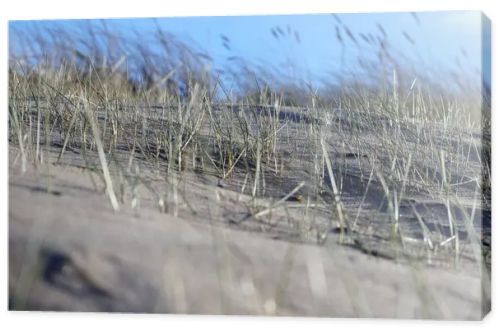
<point x="69" y="251"/>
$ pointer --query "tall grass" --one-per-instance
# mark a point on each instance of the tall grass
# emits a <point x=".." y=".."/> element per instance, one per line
<point x="383" y="138"/>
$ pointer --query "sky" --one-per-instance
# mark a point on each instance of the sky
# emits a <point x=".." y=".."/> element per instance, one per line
<point x="307" y="46"/>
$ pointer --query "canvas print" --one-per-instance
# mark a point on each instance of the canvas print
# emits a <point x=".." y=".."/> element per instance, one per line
<point x="313" y="165"/>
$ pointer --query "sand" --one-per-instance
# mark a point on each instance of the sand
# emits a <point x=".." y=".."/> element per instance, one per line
<point x="69" y="251"/>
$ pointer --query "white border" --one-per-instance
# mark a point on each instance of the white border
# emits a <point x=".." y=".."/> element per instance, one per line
<point x="38" y="322"/>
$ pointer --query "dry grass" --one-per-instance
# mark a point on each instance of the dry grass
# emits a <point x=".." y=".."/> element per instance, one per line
<point x="396" y="164"/>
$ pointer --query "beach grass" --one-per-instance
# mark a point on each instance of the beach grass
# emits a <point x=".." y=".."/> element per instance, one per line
<point x="393" y="162"/>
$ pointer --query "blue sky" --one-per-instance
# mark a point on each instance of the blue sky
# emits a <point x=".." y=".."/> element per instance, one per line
<point x="307" y="46"/>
